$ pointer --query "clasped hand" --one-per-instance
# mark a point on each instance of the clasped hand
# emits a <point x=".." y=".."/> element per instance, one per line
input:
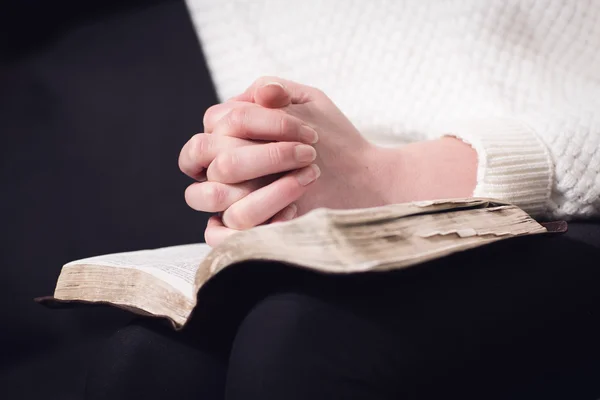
<point x="281" y="149"/>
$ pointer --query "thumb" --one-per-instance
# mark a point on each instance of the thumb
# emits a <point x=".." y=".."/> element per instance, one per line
<point x="273" y="92"/>
<point x="272" y="95"/>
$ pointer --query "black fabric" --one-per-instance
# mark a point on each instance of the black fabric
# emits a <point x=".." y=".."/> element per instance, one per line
<point x="95" y="103"/>
<point x="96" y="99"/>
<point x="30" y="25"/>
<point x="516" y="320"/>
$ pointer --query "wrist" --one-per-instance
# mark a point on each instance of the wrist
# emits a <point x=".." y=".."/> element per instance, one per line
<point x="435" y="169"/>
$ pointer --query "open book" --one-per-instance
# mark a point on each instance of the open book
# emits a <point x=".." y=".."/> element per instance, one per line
<point x="165" y="282"/>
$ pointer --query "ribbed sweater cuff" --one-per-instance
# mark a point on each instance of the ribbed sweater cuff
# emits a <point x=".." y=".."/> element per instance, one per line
<point x="514" y="164"/>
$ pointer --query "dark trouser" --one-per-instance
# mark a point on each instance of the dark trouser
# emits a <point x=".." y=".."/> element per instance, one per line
<point x="518" y="319"/>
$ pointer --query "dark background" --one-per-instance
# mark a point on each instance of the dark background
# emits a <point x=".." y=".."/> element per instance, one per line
<point x="96" y="100"/>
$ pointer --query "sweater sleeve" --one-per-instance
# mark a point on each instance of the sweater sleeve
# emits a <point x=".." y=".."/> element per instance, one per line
<point x="548" y="166"/>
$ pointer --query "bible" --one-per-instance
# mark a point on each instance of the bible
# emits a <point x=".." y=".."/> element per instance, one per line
<point x="165" y="282"/>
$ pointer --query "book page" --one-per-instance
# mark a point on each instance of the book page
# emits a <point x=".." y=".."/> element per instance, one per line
<point x="331" y="241"/>
<point x="378" y="239"/>
<point x="175" y="265"/>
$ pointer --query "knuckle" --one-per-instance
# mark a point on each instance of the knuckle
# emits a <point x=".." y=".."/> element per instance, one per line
<point x="200" y="145"/>
<point x="209" y="115"/>
<point x="236" y="118"/>
<point x="225" y="164"/>
<point x="285" y="124"/>
<point x="275" y="156"/>
<point x="214" y="196"/>
<point x="236" y="219"/>
<point x="203" y="144"/>
<point x="196" y="147"/>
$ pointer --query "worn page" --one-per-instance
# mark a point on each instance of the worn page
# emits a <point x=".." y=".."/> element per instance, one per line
<point x="176" y="265"/>
<point x="384" y="238"/>
<point x="330" y="241"/>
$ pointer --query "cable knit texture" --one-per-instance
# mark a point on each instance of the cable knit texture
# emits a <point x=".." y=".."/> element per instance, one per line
<point x="519" y="80"/>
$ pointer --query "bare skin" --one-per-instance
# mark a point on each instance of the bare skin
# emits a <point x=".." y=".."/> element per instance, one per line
<point x="255" y="164"/>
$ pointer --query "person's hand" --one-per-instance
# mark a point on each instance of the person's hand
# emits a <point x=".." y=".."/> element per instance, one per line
<point x="346" y="159"/>
<point x="355" y="172"/>
<point x="345" y="155"/>
<point x="232" y="168"/>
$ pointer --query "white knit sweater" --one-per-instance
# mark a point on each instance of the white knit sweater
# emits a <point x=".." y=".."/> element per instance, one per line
<point x="519" y="80"/>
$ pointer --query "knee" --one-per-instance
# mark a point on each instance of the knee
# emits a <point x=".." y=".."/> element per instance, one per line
<point x="147" y="358"/>
<point x="297" y="343"/>
<point x="270" y="345"/>
<point x="122" y="355"/>
<point x="279" y="326"/>
<point x="125" y="347"/>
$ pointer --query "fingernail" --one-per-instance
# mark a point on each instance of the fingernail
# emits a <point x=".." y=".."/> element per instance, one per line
<point x="273" y="84"/>
<point x="305" y="153"/>
<point x="290" y="213"/>
<point x="308" y="175"/>
<point x="308" y="134"/>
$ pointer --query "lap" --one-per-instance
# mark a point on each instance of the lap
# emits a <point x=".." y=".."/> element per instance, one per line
<point x="505" y="313"/>
<point x="148" y="360"/>
<point x="499" y="316"/>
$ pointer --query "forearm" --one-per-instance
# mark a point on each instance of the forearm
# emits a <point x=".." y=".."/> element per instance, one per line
<point x="441" y="168"/>
<point x="547" y="162"/>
